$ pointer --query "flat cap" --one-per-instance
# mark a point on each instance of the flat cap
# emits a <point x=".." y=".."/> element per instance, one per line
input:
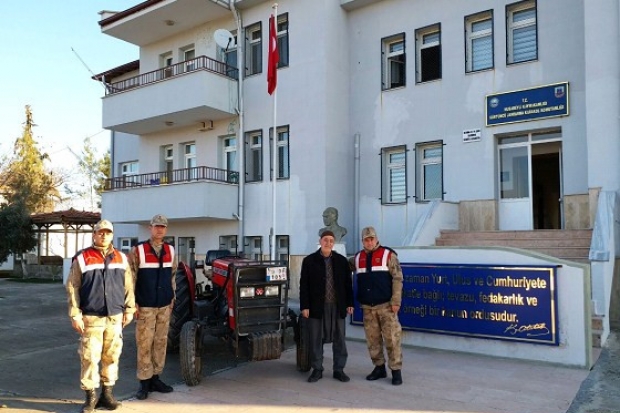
<point x="327" y="233"/>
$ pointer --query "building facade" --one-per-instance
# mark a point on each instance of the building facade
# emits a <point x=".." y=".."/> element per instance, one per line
<point x="504" y="111"/>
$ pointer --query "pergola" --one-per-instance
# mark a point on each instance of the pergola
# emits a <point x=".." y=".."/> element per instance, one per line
<point x="66" y="222"/>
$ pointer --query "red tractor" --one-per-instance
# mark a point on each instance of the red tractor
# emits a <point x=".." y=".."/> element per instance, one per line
<point x="244" y="302"/>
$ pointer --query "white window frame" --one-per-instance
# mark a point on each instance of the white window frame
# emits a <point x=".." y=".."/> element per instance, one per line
<point x="189" y="160"/>
<point x="282" y="248"/>
<point x="188" y="56"/>
<point x="513" y="26"/>
<point x="283" y="40"/>
<point x="254" y="156"/>
<point x="254" y="249"/>
<point x="394" y="175"/>
<point x="165" y="61"/>
<point x="478" y="28"/>
<point x="254" y="49"/>
<point x="229" y="242"/>
<point x="130" y="168"/>
<point x="282" y="152"/>
<point x="426" y="38"/>
<point x="394" y="55"/>
<point x="424" y="161"/>
<point x="126" y="243"/>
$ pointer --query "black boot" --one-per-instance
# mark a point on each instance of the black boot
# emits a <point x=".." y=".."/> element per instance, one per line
<point x="143" y="391"/>
<point x="91" y="401"/>
<point x="160" y="386"/>
<point x="397" y="378"/>
<point x="107" y="400"/>
<point x="378" y="373"/>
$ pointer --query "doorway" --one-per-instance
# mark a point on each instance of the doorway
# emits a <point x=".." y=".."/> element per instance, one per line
<point x="530" y="181"/>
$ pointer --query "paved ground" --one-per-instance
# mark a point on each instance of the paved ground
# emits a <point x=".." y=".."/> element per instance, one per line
<point x="39" y="371"/>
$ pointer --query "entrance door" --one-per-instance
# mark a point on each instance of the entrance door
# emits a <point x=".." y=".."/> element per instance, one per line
<point x="529" y="181"/>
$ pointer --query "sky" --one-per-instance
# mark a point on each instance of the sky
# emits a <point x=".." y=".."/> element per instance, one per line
<point x="50" y="49"/>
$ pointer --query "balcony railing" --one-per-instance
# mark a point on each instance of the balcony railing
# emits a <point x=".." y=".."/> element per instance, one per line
<point x="199" y="63"/>
<point x="198" y="173"/>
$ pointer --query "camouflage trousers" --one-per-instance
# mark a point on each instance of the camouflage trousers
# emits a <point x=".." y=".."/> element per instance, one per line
<point x="101" y="342"/>
<point x="151" y="340"/>
<point x="381" y="325"/>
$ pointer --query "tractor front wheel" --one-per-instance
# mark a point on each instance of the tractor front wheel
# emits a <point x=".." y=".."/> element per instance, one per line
<point x="190" y="352"/>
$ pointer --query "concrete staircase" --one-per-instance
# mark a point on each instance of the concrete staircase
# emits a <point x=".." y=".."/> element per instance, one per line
<point x="573" y="245"/>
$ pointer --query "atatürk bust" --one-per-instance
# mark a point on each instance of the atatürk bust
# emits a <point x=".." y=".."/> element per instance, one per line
<point x="330" y="220"/>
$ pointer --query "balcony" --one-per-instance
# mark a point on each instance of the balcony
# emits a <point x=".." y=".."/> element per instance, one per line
<point x="183" y="94"/>
<point x="154" y="20"/>
<point x="356" y="4"/>
<point x="200" y="193"/>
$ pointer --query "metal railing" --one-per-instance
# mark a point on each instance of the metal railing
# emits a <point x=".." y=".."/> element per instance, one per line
<point x="198" y="173"/>
<point x="199" y="63"/>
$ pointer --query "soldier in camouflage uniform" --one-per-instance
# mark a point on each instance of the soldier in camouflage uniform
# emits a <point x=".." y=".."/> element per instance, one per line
<point x="154" y="265"/>
<point x="379" y="291"/>
<point x="101" y="302"/>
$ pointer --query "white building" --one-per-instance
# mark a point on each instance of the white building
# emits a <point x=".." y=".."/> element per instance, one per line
<point x="383" y="106"/>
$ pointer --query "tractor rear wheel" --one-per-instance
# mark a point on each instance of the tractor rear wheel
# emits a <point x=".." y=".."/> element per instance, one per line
<point x="181" y="312"/>
<point x="190" y="353"/>
<point x="303" y="347"/>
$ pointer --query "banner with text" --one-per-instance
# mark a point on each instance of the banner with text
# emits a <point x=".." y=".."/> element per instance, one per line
<point x="500" y="302"/>
<point x="527" y="104"/>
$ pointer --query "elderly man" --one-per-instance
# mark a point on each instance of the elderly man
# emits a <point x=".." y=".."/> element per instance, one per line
<point x="326" y="297"/>
<point x="101" y="302"/>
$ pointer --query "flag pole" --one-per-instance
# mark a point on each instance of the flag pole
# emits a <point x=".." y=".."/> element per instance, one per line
<point x="273" y="149"/>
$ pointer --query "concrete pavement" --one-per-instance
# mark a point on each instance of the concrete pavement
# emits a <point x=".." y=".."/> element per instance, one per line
<point x="39" y="372"/>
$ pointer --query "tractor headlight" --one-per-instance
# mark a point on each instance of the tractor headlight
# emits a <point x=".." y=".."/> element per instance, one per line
<point x="246" y="292"/>
<point x="272" y="290"/>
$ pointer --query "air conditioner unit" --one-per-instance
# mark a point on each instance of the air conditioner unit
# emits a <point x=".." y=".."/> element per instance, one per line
<point x="206" y="126"/>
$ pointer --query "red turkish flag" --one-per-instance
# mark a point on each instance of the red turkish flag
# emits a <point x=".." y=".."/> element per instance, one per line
<point x="274" y="56"/>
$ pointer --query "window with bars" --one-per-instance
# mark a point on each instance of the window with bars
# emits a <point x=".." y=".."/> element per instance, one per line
<point x="282" y="152"/>
<point x="254" y="156"/>
<point x="522" y="32"/>
<point x="479" y="41"/>
<point x="394" y="174"/>
<point x="254" y="248"/>
<point x="394" y="61"/>
<point x="282" y="29"/>
<point x="254" y="52"/>
<point x="428" y="53"/>
<point x="429" y="171"/>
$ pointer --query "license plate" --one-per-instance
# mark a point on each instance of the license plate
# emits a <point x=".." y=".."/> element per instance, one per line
<point x="276" y="274"/>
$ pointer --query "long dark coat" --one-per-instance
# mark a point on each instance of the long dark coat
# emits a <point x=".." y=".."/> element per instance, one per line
<point x="312" y="284"/>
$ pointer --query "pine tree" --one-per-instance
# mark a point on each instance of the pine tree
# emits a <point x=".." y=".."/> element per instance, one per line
<point x="26" y="180"/>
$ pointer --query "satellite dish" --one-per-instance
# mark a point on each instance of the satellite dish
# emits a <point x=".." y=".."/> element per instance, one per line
<point x="224" y="38"/>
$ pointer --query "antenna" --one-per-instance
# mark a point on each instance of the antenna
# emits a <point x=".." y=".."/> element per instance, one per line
<point x="86" y="66"/>
<point x="224" y="39"/>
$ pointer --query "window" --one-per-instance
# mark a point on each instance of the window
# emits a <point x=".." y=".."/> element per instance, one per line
<point x="189" y="54"/>
<point x="127" y="243"/>
<point x="169" y="240"/>
<point x="229" y="242"/>
<point x="254" y="156"/>
<point x="254" y="248"/>
<point x="254" y="50"/>
<point x="394" y="64"/>
<point x="229" y="56"/>
<point x="282" y="153"/>
<point x="430" y="171"/>
<point x="479" y="41"/>
<point x="165" y="62"/>
<point x="522" y="37"/>
<point x="189" y="160"/>
<point x="167" y="162"/>
<point x="282" y="243"/>
<point x="130" y="168"/>
<point x="428" y="45"/>
<point x="186" y="251"/>
<point x="282" y="29"/>
<point x="394" y="175"/>
<point x="230" y="158"/>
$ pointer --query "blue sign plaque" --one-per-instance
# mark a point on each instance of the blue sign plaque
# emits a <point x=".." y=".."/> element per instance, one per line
<point x="517" y="303"/>
<point x="527" y="104"/>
